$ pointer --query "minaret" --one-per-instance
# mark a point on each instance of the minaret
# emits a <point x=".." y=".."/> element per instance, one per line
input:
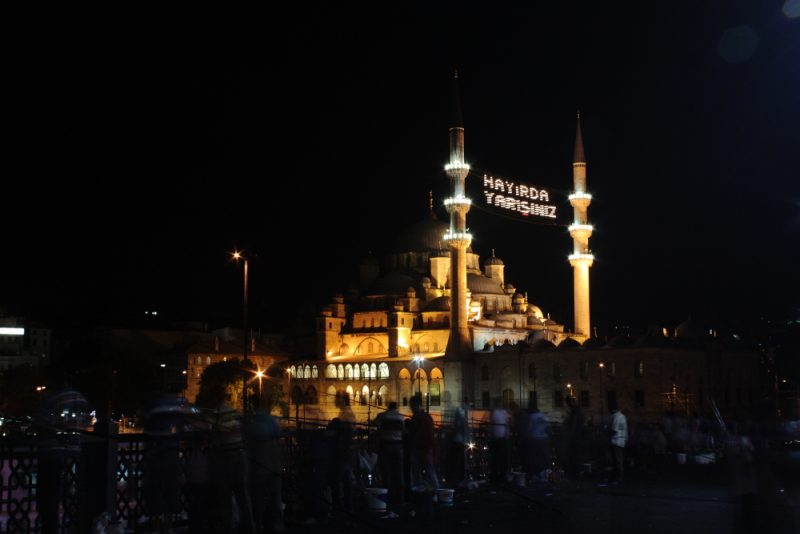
<point x="580" y="230"/>
<point x="457" y="237"/>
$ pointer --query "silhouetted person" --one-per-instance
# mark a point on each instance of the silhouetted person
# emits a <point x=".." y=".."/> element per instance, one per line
<point x="573" y="435"/>
<point x="62" y="417"/>
<point x="162" y="425"/>
<point x="456" y="457"/>
<point x="537" y="443"/>
<point x="390" y="456"/>
<point x="499" y="432"/>
<point x="265" y="455"/>
<point x="619" y="438"/>
<point x="422" y="446"/>
<point x="227" y="467"/>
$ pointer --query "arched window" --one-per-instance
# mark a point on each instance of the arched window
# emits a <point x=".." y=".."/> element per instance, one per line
<point x="364" y="395"/>
<point x="373" y="371"/>
<point x="314" y="372"/>
<point x="331" y="396"/>
<point x="297" y="395"/>
<point x="416" y="347"/>
<point x="311" y="395"/>
<point x="404" y="374"/>
<point x="356" y="372"/>
<point x="340" y="371"/>
<point x="348" y="395"/>
<point x="208" y="360"/>
<point x="382" y="393"/>
<point x="307" y="372"/>
<point x="436" y="374"/>
<point x="293" y="371"/>
<point x="484" y="372"/>
<point x="383" y="371"/>
<point x="348" y="371"/>
<point x="365" y="371"/>
<point x="369" y="346"/>
<point x="199" y="360"/>
<point x="638" y="371"/>
<point x="330" y="371"/>
<point x="426" y="348"/>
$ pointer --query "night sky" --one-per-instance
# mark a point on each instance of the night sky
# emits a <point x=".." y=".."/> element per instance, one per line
<point x="144" y="142"/>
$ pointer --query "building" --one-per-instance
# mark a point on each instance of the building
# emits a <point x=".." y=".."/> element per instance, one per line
<point x="23" y="342"/>
<point x="434" y="320"/>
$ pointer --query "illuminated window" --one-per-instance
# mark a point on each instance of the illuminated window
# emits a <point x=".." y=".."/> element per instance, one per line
<point x="356" y="372"/>
<point x="311" y="395"/>
<point x="340" y="372"/>
<point x="293" y="371"/>
<point x="435" y="394"/>
<point x="426" y="348"/>
<point x="314" y="372"/>
<point x="348" y="371"/>
<point x="365" y="370"/>
<point x="307" y="372"/>
<point x="373" y="371"/>
<point x="330" y="371"/>
<point x="199" y="360"/>
<point x="383" y="371"/>
<point x="208" y="360"/>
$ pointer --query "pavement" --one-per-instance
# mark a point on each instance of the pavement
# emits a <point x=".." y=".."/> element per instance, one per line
<point x="686" y="498"/>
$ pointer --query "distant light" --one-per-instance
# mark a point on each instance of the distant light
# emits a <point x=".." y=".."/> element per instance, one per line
<point x="155" y="313"/>
<point x="737" y="44"/>
<point x="260" y="374"/>
<point x="470" y="445"/>
<point x="11" y="331"/>
<point x="183" y="372"/>
<point x="791" y="8"/>
<point x="602" y="365"/>
<point x="163" y="365"/>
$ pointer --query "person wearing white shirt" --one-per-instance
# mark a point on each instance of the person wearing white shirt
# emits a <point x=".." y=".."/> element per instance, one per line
<point x="619" y="437"/>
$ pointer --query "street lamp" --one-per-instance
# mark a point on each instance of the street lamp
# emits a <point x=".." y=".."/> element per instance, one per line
<point x="238" y="256"/>
<point x="419" y="360"/>
<point x="260" y="376"/>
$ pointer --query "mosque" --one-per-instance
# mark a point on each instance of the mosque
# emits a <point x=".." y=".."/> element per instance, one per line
<point x="399" y="334"/>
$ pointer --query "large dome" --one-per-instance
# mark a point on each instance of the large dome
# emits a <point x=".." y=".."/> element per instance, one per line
<point x="478" y="283"/>
<point x="424" y="236"/>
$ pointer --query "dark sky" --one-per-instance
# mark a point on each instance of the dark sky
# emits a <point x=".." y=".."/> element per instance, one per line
<point x="143" y="141"/>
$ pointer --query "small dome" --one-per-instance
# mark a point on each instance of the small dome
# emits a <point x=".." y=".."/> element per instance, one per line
<point x="518" y="297"/>
<point x="535" y="311"/>
<point x="392" y="283"/>
<point x="542" y="344"/>
<point x="689" y="330"/>
<point x="411" y="292"/>
<point x="439" y="304"/>
<point x="569" y="344"/>
<point x="511" y="288"/>
<point x="593" y="343"/>
<point x="493" y="261"/>
<point x="426" y="282"/>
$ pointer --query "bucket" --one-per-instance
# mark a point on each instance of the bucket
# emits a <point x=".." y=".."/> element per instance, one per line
<point x="519" y="478"/>
<point x="445" y="496"/>
<point x="376" y="499"/>
<point x="680" y="458"/>
<point x="704" y="458"/>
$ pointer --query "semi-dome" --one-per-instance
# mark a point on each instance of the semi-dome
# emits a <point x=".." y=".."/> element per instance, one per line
<point x="425" y="236"/>
<point x="439" y="304"/>
<point x="478" y="283"/>
<point x="392" y="283"/>
<point x="535" y="311"/>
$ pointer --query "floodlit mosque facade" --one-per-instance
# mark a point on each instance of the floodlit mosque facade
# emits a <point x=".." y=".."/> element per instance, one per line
<point x="400" y="334"/>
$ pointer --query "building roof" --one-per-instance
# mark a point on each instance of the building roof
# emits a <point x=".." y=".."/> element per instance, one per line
<point x="425" y="236"/>
<point x="479" y="283"/>
<point x="439" y="304"/>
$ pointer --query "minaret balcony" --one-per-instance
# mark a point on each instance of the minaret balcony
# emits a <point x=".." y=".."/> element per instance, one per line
<point x="581" y="231"/>
<point x="579" y="259"/>
<point x="456" y="166"/>
<point x="580" y="200"/>
<point x="459" y="204"/>
<point x="458" y="239"/>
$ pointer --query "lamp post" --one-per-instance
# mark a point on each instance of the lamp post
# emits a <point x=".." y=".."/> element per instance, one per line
<point x="238" y="256"/>
<point x="260" y="376"/>
<point x="602" y="366"/>
<point x="419" y="360"/>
